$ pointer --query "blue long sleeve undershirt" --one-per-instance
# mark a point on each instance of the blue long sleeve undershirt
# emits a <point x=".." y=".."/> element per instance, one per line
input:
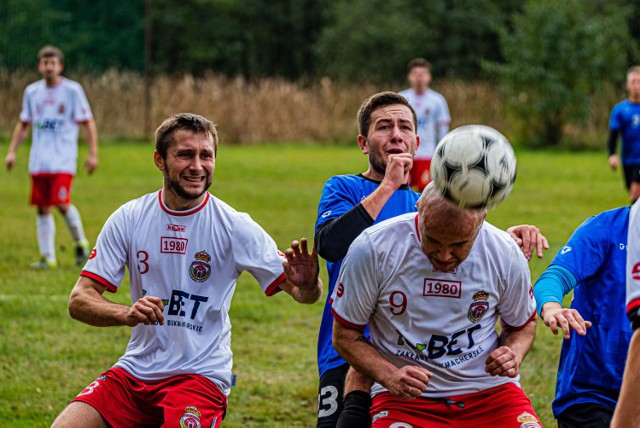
<point x="553" y="285"/>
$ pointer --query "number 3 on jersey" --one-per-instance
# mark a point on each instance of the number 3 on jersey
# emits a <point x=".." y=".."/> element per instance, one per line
<point x="143" y="266"/>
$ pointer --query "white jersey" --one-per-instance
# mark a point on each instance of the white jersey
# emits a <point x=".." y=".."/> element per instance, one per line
<point x="442" y="321"/>
<point x="191" y="260"/>
<point x="55" y="113"/>
<point x="433" y="116"/>
<point x="633" y="258"/>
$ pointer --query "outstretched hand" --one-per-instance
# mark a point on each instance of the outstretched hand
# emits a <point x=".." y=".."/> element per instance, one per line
<point x="301" y="269"/>
<point x="562" y="319"/>
<point x="529" y="238"/>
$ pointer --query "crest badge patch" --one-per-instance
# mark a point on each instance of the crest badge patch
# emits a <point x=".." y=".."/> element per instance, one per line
<point x="191" y="418"/>
<point x="200" y="269"/>
<point x="479" y="306"/>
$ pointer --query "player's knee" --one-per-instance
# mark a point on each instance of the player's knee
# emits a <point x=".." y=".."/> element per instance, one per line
<point x="79" y="414"/>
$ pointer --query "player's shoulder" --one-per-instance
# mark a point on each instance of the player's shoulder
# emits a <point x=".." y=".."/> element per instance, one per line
<point x="399" y="226"/>
<point x="436" y="96"/>
<point x="497" y="240"/>
<point x="406" y="92"/>
<point x="35" y="86"/>
<point x="607" y="222"/>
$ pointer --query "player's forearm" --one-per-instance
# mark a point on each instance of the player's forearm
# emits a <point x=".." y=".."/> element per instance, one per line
<point x="17" y="137"/>
<point x="612" y="141"/>
<point x="626" y="414"/>
<point x="92" y="138"/>
<point x="519" y="341"/>
<point x="355" y="348"/>
<point x="304" y="294"/>
<point x="88" y="306"/>
<point x="375" y="202"/>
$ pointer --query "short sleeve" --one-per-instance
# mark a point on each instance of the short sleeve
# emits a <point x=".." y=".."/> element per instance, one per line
<point x="81" y="108"/>
<point x="336" y="199"/>
<point x="614" y="118"/>
<point x="256" y="252"/>
<point x="356" y="293"/>
<point x="517" y="305"/>
<point x="26" y="115"/>
<point x="109" y="257"/>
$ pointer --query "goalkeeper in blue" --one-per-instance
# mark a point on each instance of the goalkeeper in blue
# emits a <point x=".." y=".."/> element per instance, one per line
<point x="595" y="329"/>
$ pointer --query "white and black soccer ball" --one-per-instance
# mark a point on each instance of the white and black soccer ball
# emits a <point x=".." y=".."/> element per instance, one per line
<point x="474" y="166"/>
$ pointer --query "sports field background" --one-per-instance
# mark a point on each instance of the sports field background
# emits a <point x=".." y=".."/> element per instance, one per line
<point x="46" y="358"/>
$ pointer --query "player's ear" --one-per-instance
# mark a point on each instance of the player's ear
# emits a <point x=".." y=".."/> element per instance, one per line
<point x="363" y="143"/>
<point x="159" y="161"/>
<point x="417" y="142"/>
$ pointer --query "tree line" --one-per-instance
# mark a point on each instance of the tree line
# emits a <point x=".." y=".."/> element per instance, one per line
<point x="547" y="57"/>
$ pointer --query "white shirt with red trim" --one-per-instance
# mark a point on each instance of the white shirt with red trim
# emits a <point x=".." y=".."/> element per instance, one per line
<point x="191" y="260"/>
<point x="442" y="321"/>
<point x="633" y="259"/>
<point x="433" y="116"/>
<point x="55" y="113"/>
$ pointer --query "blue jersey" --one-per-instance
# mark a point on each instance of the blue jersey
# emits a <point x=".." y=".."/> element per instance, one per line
<point x="339" y="195"/>
<point x="591" y="366"/>
<point x="625" y="118"/>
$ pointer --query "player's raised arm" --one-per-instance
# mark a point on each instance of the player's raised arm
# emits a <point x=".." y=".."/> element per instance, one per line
<point x="301" y="269"/>
<point x="88" y="305"/>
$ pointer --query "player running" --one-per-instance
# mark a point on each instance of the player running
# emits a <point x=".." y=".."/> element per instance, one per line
<point x="55" y="106"/>
<point x="351" y="203"/>
<point x="431" y="287"/>
<point x="433" y="117"/>
<point x="625" y="119"/>
<point x="184" y="250"/>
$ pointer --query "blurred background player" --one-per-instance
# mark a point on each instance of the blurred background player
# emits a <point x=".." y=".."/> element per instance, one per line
<point x="184" y="250"/>
<point x="54" y="106"/>
<point x="595" y="328"/>
<point x="625" y="119"/>
<point x="348" y="205"/>
<point x="431" y="287"/>
<point x="433" y="117"/>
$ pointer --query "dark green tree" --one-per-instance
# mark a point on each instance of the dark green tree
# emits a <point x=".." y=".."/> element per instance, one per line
<point x="557" y="56"/>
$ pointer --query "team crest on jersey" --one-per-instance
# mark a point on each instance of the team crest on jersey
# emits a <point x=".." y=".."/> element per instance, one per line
<point x="191" y="418"/>
<point x="61" y="109"/>
<point x="200" y="268"/>
<point x="479" y="306"/>
<point x="527" y="420"/>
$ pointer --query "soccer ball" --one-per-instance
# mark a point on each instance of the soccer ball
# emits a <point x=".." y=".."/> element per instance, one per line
<point x="474" y="166"/>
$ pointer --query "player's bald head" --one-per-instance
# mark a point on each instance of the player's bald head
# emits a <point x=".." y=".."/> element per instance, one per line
<point x="184" y="121"/>
<point x="438" y="213"/>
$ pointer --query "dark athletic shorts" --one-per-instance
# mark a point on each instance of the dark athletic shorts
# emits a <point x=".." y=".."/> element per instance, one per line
<point x="631" y="174"/>
<point x="331" y="395"/>
<point x="586" y="415"/>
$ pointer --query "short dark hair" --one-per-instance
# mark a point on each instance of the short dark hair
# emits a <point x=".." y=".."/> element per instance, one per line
<point x="418" y="62"/>
<point x="49" y="51"/>
<point x="189" y="122"/>
<point x="376" y="101"/>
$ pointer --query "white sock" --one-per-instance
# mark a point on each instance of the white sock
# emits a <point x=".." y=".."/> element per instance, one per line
<point x="46" y="231"/>
<point x="74" y="222"/>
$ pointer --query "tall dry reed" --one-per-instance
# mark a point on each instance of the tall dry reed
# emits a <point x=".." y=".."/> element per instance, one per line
<point x="266" y="110"/>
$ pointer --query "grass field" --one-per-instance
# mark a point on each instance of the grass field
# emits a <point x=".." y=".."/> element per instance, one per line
<point x="46" y="358"/>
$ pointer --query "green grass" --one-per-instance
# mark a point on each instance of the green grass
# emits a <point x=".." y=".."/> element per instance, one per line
<point x="46" y="358"/>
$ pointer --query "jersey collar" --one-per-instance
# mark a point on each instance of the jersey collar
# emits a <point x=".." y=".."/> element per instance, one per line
<point x="182" y="213"/>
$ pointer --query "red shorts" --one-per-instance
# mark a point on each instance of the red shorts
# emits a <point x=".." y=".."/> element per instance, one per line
<point x="504" y="406"/>
<point x="420" y="174"/>
<point x="51" y="189"/>
<point x="179" y="401"/>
